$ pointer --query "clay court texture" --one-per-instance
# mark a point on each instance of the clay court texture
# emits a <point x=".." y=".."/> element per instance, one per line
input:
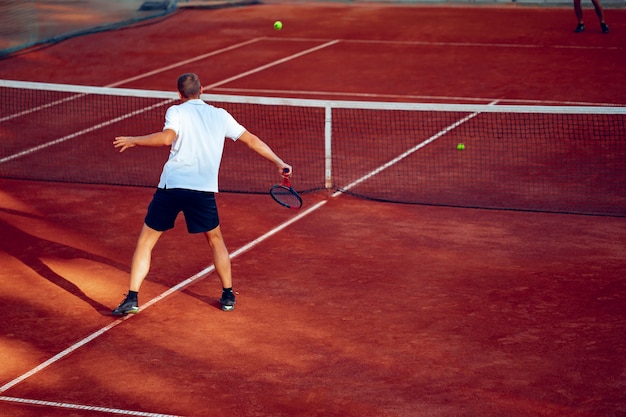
<point x="349" y="306"/>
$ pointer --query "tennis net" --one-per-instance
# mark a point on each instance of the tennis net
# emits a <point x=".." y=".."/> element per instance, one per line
<point x="534" y="158"/>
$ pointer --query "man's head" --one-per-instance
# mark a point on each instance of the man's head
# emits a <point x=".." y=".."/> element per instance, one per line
<point x="189" y="86"/>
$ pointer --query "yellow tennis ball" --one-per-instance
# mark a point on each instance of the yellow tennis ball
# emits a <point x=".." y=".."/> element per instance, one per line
<point x="278" y="25"/>
<point x="460" y="146"/>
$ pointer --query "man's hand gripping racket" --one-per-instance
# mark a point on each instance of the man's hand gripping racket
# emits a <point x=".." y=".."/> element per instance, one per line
<point x="284" y="194"/>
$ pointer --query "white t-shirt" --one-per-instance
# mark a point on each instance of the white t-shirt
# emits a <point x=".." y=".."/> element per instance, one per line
<point x="196" y="152"/>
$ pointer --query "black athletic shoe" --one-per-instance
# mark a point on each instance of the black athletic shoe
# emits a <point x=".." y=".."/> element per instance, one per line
<point x="127" y="307"/>
<point x="604" y="27"/>
<point x="579" y="28"/>
<point x="227" y="301"/>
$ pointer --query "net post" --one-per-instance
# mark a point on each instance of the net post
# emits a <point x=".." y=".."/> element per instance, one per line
<point x="328" y="154"/>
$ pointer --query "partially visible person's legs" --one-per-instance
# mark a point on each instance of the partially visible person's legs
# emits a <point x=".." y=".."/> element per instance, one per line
<point x="221" y="260"/>
<point x="201" y="216"/>
<point x="598" y="8"/>
<point x="139" y="270"/>
<point x="578" y="10"/>
<point x="600" y="13"/>
<point x="143" y="256"/>
<point x="221" y="257"/>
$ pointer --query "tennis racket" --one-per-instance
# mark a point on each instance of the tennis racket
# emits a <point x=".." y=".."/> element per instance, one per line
<point x="284" y="194"/>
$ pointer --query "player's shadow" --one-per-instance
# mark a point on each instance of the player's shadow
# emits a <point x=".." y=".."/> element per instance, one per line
<point x="30" y="250"/>
<point x="212" y="301"/>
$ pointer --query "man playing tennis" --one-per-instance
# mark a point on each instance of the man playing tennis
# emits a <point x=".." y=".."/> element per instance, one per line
<point x="196" y="132"/>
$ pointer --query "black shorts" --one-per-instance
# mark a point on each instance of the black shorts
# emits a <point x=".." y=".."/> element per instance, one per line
<point x="198" y="207"/>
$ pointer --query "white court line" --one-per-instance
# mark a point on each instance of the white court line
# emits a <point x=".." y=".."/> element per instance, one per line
<point x="115" y="120"/>
<point x="105" y="329"/>
<point x="181" y="63"/>
<point x="42" y="107"/>
<point x="138" y="77"/>
<point x="274" y="63"/>
<point x="184" y="62"/>
<point x="243" y="249"/>
<point x="178" y="287"/>
<point x="453" y="44"/>
<point x="187" y="281"/>
<point x="410" y="151"/>
<point x="239" y="251"/>
<point x="201" y="274"/>
<point x="83" y="407"/>
<point x="233" y="255"/>
<point x="60" y="355"/>
<point x="405" y="97"/>
<point x="81" y="132"/>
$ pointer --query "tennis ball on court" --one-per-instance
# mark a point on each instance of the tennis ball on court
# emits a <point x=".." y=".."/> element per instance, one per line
<point x="278" y="25"/>
<point x="460" y="146"/>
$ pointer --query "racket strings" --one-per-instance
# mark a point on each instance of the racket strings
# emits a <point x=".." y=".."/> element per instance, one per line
<point x="285" y="197"/>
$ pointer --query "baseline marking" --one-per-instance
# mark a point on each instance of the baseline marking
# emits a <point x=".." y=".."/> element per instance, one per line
<point x="453" y="44"/>
<point x="83" y="407"/>
<point x="407" y="97"/>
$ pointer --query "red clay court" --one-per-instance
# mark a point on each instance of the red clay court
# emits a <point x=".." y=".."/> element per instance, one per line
<point x="348" y="307"/>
